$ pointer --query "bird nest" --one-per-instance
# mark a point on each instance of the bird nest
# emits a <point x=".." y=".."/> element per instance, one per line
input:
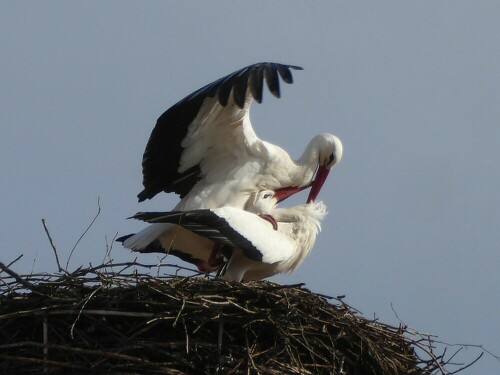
<point x="120" y="319"/>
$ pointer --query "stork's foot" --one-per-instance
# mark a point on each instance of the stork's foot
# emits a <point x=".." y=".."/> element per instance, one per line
<point x="205" y="267"/>
<point x="271" y="219"/>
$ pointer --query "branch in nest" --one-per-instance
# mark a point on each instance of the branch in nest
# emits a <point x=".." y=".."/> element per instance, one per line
<point x="98" y="319"/>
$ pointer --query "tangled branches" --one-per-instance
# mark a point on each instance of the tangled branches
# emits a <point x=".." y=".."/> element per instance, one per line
<point x="118" y="319"/>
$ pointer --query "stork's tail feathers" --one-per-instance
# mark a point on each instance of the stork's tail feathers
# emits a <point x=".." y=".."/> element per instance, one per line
<point x="122" y="239"/>
<point x="153" y="247"/>
<point x="146" y="239"/>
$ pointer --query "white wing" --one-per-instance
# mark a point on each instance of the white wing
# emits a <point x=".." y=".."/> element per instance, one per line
<point x="209" y="134"/>
<point x="233" y="227"/>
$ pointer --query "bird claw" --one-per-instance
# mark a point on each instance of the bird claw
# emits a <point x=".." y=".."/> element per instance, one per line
<point x="271" y="219"/>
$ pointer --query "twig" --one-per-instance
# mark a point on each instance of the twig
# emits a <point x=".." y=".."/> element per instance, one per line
<point x="14" y="261"/>
<point x="496" y="356"/>
<point x="468" y="365"/>
<point x="88" y="351"/>
<point x="45" y="341"/>
<point x="123" y="315"/>
<point x="83" y="306"/>
<point x="109" y="247"/>
<point x="56" y="364"/>
<point x="18" y="278"/>
<point x="84" y="232"/>
<point x="52" y="245"/>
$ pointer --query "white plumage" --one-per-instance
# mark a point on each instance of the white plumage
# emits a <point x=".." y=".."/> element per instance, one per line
<point x="255" y="250"/>
<point x="205" y="149"/>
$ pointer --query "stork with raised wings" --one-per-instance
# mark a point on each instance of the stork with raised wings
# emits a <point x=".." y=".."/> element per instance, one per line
<point x="256" y="245"/>
<point x="205" y="149"/>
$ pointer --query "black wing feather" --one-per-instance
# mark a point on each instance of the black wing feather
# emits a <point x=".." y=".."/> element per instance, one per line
<point x="273" y="83"/>
<point x="156" y="247"/>
<point x="240" y="88"/>
<point x="163" y="151"/>
<point x="225" y="90"/>
<point x="256" y="84"/>
<point x="206" y="224"/>
<point x="285" y="74"/>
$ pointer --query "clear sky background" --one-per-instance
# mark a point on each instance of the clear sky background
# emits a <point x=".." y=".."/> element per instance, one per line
<point x="411" y="87"/>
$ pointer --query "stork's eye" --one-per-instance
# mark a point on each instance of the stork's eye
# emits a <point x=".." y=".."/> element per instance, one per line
<point x="331" y="158"/>
<point x="267" y="195"/>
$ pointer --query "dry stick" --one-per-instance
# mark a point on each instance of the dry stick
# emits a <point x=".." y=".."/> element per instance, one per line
<point x="87" y="299"/>
<point x="18" y="278"/>
<point x="39" y="360"/>
<point x="219" y="337"/>
<point x="15" y="260"/>
<point x="45" y="341"/>
<point x="451" y="345"/>
<point x="109" y="247"/>
<point x="108" y="354"/>
<point x="187" y="336"/>
<point x="242" y="293"/>
<point x="52" y="245"/>
<point x="466" y="366"/>
<point x="249" y="354"/>
<point x="81" y="272"/>
<point x="85" y="231"/>
<point x="179" y="313"/>
<point x="478" y="346"/>
<point x="8" y="266"/>
<point x="435" y="360"/>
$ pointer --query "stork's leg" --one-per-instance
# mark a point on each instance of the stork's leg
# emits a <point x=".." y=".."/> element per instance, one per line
<point x="215" y="259"/>
<point x="271" y="219"/>
<point x="203" y="267"/>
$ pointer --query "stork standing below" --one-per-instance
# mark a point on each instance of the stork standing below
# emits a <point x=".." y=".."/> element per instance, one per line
<point x="205" y="149"/>
<point x="255" y="246"/>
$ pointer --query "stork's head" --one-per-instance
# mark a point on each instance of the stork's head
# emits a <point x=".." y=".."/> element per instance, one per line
<point x="328" y="150"/>
<point x="261" y="202"/>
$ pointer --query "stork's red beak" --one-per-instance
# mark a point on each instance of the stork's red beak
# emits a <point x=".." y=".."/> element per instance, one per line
<point x="284" y="193"/>
<point x="320" y="179"/>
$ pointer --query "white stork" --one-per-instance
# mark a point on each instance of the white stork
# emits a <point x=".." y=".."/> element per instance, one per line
<point x="205" y="149"/>
<point x="255" y="246"/>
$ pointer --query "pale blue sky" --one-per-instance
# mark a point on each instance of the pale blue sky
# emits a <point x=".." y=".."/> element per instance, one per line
<point x="411" y="88"/>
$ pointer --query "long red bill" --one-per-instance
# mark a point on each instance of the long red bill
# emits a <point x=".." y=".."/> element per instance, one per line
<point x="320" y="179"/>
<point x="284" y="193"/>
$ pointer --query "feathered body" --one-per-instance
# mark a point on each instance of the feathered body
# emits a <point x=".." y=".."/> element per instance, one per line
<point x="204" y="148"/>
<point x="255" y="250"/>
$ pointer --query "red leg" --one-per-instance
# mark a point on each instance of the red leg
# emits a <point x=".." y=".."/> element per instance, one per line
<point x="215" y="258"/>
<point x="203" y="266"/>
